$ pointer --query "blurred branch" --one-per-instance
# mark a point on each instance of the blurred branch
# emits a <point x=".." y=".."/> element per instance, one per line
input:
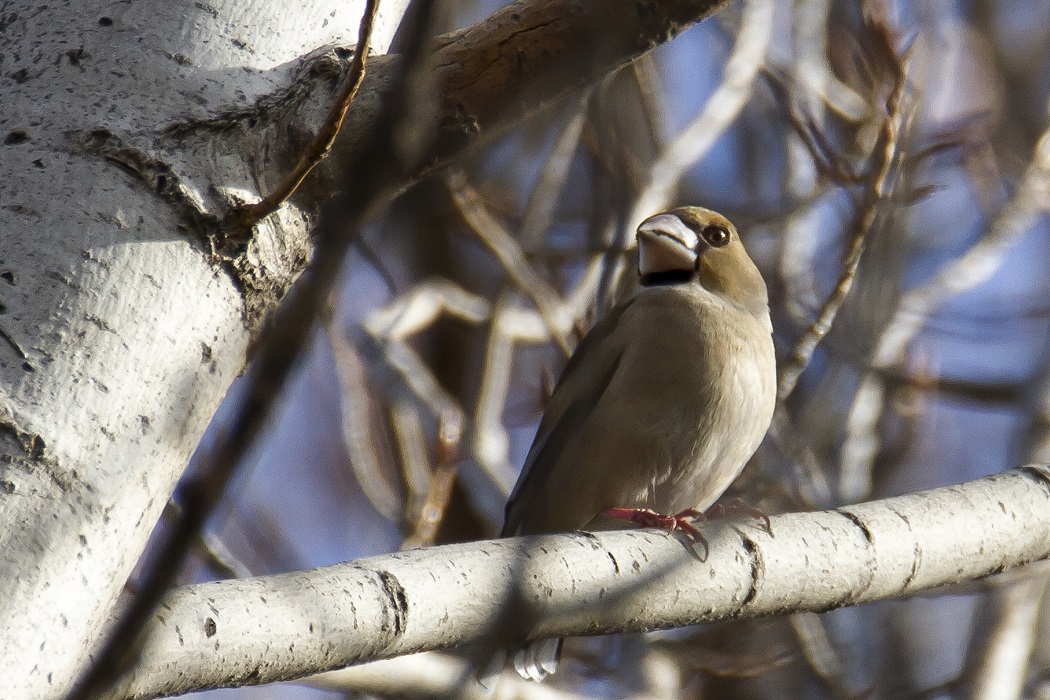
<point x="820" y="653"/>
<point x="977" y="265"/>
<point x="1009" y="630"/>
<point x="490" y="443"/>
<point x="416" y="469"/>
<point x="860" y="444"/>
<point x="428" y="517"/>
<point x="217" y="557"/>
<point x="878" y="187"/>
<point x="811" y="69"/>
<point x="358" y="409"/>
<point x="502" y="245"/>
<point x="539" y="210"/>
<point x="287" y="626"/>
<point x="390" y="327"/>
<point x="511" y="326"/>
<point x="398" y="371"/>
<point x="721" y="108"/>
<point x="812" y="482"/>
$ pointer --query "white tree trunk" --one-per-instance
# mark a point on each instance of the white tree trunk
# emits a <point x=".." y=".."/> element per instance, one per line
<point x="120" y="328"/>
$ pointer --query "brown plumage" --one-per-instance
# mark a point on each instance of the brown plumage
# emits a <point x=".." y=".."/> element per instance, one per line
<point x="664" y="400"/>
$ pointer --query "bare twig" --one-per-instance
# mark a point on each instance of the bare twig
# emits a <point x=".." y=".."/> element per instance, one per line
<point x="819" y="652"/>
<point x="1009" y="631"/>
<point x="885" y="156"/>
<point x="544" y="195"/>
<point x="432" y="511"/>
<point x="358" y="422"/>
<point x="396" y="369"/>
<point x="213" y="551"/>
<point x="413" y="453"/>
<point x="718" y="113"/>
<point x="210" y="549"/>
<point x="1031" y="198"/>
<point x="814" y="489"/>
<point x="513" y="325"/>
<point x="828" y="163"/>
<point x="244" y="217"/>
<point x="811" y="68"/>
<point x="502" y="244"/>
<point x="860" y="445"/>
<point x="393" y="325"/>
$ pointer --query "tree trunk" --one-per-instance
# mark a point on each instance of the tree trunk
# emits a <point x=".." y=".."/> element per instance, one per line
<point x="121" y="325"/>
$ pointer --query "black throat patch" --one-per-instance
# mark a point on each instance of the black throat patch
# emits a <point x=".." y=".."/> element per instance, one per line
<point x="663" y="279"/>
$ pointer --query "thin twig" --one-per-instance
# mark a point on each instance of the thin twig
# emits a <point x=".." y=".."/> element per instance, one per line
<point x="1000" y="655"/>
<point x="358" y="423"/>
<point x="217" y="557"/>
<point x="502" y="244"/>
<point x="247" y="215"/>
<point x="828" y="163"/>
<point x="720" y="110"/>
<point x="210" y="549"/>
<point x="977" y="265"/>
<point x="432" y="512"/>
<point x="885" y="155"/>
<point x="819" y="652"/>
<point x="544" y="196"/>
<point x="813" y="487"/>
<point x="389" y="329"/>
<point x="410" y="437"/>
<point x="811" y="69"/>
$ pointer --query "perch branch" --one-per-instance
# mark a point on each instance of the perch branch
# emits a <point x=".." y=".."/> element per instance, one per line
<point x="284" y="627"/>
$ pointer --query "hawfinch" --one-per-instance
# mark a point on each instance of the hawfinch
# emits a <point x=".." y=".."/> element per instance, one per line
<point x="662" y="403"/>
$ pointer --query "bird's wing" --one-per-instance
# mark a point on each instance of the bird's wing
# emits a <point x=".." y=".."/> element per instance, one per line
<point x="586" y="377"/>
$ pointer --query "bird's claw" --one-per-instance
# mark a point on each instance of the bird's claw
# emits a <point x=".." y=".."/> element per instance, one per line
<point x="737" y="508"/>
<point x="679" y="522"/>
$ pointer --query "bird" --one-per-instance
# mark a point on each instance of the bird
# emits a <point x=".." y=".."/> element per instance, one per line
<point x="663" y="401"/>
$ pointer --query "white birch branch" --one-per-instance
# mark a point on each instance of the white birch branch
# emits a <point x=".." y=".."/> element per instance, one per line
<point x="284" y="627"/>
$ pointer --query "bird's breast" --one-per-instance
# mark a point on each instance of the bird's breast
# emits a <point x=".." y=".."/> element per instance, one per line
<point x="713" y="381"/>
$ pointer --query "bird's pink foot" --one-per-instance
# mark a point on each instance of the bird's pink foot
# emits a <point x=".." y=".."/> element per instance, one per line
<point x="679" y="522"/>
<point x="737" y="508"/>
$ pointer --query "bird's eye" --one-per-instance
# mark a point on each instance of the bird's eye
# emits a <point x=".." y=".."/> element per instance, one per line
<point x="716" y="236"/>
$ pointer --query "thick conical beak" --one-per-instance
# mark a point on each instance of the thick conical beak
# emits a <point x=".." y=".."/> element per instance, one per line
<point x="665" y="244"/>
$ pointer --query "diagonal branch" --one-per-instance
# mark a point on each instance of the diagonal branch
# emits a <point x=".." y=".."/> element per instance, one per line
<point x="718" y="113"/>
<point x="502" y="245"/>
<point x="523" y="57"/>
<point x="885" y="157"/>
<point x="244" y="217"/>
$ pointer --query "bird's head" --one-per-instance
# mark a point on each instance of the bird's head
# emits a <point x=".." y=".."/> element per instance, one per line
<point x="692" y="244"/>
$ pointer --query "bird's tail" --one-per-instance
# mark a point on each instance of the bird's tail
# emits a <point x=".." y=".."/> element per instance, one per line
<point x="533" y="662"/>
<point x="538" y="659"/>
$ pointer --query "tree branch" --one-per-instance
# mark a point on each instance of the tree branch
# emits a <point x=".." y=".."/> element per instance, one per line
<point x="522" y="58"/>
<point x="283" y="627"/>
